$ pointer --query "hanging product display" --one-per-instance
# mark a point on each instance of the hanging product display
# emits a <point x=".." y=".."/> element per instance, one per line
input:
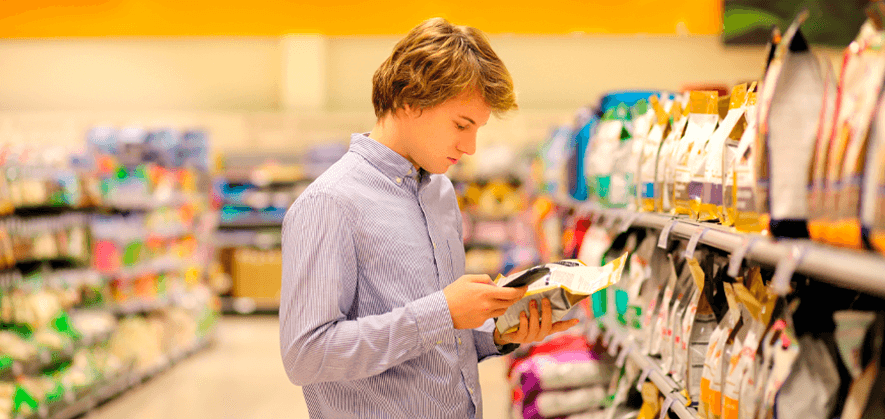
<point x="790" y="105"/>
<point x="860" y="85"/>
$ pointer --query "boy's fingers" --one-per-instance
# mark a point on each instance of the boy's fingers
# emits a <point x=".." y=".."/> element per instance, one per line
<point x="562" y="326"/>
<point x="546" y="318"/>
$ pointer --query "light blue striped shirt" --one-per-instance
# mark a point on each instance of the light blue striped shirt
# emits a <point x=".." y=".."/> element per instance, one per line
<point x="364" y="325"/>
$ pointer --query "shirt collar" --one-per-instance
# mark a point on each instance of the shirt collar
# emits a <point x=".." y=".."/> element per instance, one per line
<point x="387" y="161"/>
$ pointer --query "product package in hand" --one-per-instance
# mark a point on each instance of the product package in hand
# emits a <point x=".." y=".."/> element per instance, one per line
<point x="564" y="283"/>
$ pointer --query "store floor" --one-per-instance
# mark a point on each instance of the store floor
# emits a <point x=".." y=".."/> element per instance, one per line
<point x="241" y="377"/>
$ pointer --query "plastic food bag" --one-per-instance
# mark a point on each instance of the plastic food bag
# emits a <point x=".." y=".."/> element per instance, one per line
<point x="791" y="96"/>
<point x="666" y="162"/>
<point x="702" y="119"/>
<point x="564" y="283"/>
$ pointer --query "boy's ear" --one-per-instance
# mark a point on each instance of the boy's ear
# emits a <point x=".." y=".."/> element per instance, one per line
<point x="411" y="112"/>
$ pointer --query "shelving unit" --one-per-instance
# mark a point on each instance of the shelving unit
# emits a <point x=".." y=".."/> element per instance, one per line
<point x="617" y="336"/>
<point x="118" y="385"/>
<point x="846" y="268"/>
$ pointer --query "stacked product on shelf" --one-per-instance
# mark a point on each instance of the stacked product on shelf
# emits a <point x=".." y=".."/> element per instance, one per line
<point x="255" y="191"/>
<point x="86" y="244"/>
<point x="726" y="309"/>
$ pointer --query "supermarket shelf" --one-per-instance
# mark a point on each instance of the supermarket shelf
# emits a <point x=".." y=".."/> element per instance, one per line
<point x="618" y="336"/>
<point x="846" y="268"/>
<point x="118" y="385"/>
<point x="46" y="359"/>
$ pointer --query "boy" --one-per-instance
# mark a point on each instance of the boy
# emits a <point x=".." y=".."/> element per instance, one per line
<point x="377" y="318"/>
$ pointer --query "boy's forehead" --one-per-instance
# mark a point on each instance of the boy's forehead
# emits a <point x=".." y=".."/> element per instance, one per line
<point x="471" y="101"/>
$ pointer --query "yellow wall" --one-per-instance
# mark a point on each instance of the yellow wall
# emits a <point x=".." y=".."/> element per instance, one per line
<point x="75" y="18"/>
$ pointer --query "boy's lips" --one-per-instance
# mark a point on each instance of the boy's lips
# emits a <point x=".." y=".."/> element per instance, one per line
<point x="453" y="160"/>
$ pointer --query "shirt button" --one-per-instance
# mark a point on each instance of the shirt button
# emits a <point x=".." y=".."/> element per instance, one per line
<point x="409" y="172"/>
<point x="399" y="180"/>
<point x="470" y="390"/>
<point x="439" y="342"/>
<point x="434" y="245"/>
<point x="459" y="341"/>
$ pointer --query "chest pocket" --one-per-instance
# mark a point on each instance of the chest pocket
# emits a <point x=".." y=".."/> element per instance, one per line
<point x="456" y="258"/>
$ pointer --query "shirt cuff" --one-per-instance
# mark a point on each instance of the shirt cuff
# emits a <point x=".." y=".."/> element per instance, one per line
<point x="433" y="318"/>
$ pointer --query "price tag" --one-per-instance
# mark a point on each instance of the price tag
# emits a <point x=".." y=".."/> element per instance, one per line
<point x="668" y="402"/>
<point x="664" y="238"/>
<point x="693" y="242"/>
<point x="643" y="378"/>
<point x="627" y="222"/>
<point x="622" y="357"/>
<point x="738" y="256"/>
<point x="783" y="273"/>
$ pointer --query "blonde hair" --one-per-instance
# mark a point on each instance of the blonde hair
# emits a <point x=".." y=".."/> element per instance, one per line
<point x="437" y="61"/>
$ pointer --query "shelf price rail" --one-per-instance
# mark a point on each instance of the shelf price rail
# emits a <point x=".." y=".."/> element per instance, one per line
<point x="846" y="268"/>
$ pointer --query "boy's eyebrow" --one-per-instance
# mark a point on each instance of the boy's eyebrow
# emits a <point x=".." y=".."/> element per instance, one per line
<point x="471" y="121"/>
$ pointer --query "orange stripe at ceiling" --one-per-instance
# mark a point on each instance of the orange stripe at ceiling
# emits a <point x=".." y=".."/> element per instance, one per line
<point x="85" y="18"/>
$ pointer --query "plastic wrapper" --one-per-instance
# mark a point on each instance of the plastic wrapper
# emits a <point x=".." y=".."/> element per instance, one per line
<point x="666" y="167"/>
<point x="683" y="299"/>
<point x="702" y="119"/>
<point x="744" y="352"/>
<point x="711" y="389"/>
<point x="648" y="159"/>
<point x="663" y="311"/>
<point x="730" y="130"/>
<point x="791" y="96"/>
<point x="687" y="336"/>
<point x="811" y="390"/>
<point x="564" y="283"/>
<point x="550" y="404"/>
<point x="653" y="295"/>
<point x="860" y="86"/>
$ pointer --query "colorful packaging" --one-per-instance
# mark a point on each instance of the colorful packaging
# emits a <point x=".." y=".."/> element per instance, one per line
<point x="653" y="294"/>
<point x="665" y="163"/>
<point x="739" y="183"/>
<point x="681" y="355"/>
<point x="682" y="300"/>
<point x="859" y="90"/>
<point x="648" y="160"/>
<point x="606" y="151"/>
<point x="743" y="356"/>
<point x="819" y="218"/>
<point x="564" y="283"/>
<point x="663" y="311"/>
<point x="644" y="117"/>
<point x="860" y="87"/>
<point x="812" y="388"/>
<point x="702" y="119"/>
<point x="710" y="405"/>
<point x="730" y="130"/>
<point x="790" y="105"/>
<point x="873" y="198"/>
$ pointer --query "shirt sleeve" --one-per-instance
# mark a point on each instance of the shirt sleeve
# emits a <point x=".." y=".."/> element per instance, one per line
<point x="317" y="341"/>
<point x="484" y="340"/>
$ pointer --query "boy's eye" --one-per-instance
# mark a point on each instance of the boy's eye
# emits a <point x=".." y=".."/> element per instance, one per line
<point x="460" y="127"/>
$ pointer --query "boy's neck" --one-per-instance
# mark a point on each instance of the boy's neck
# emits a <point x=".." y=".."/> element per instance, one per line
<point x="386" y="132"/>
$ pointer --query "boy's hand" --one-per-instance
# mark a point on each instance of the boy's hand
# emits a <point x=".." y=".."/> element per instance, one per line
<point x="536" y="327"/>
<point x="473" y="299"/>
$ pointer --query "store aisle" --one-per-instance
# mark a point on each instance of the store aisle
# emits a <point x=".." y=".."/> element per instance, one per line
<point x="241" y="377"/>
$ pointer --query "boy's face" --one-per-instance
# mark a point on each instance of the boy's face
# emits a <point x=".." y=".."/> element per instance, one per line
<point x="436" y="138"/>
